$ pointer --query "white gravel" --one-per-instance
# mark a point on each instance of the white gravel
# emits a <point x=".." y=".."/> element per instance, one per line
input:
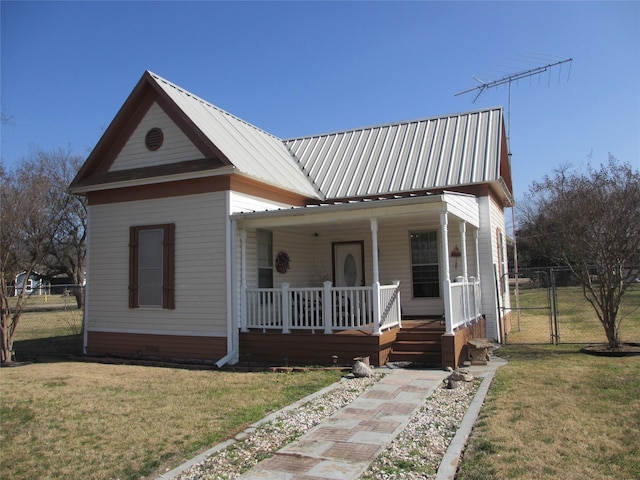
<point x="414" y="454"/>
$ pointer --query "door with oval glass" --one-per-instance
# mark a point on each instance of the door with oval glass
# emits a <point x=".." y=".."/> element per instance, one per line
<point x="348" y="264"/>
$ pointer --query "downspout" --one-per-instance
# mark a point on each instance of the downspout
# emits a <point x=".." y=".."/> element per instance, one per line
<point x="85" y="316"/>
<point x="232" y="332"/>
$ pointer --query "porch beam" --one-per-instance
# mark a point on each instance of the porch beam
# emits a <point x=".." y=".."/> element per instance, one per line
<point x="446" y="283"/>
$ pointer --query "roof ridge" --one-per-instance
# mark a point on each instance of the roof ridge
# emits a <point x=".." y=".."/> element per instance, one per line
<point x="393" y="124"/>
<point x="157" y="77"/>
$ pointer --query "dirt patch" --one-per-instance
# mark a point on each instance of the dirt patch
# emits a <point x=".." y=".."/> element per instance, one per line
<point x="625" y="350"/>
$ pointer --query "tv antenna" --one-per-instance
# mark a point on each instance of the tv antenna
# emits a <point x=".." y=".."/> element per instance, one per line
<point x="508" y="80"/>
<point x="514" y="77"/>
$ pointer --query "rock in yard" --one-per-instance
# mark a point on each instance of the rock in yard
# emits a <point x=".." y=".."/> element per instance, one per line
<point x="457" y="377"/>
<point x="360" y="370"/>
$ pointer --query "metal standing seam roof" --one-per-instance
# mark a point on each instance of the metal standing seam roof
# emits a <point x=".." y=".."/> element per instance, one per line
<point x="439" y="152"/>
<point x="252" y="151"/>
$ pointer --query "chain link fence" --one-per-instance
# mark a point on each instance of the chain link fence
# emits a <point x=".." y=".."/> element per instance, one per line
<point x="51" y="323"/>
<point x="549" y="306"/>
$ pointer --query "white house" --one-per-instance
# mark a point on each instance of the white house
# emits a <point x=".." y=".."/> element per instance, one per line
<point x="213" y="240"/>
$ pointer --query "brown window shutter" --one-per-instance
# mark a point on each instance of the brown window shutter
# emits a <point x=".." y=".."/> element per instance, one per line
<point x="168" y="293"/>
<point x="133" y="267"/>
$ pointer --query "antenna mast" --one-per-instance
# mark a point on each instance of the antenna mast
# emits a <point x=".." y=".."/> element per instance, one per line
<point x="508" y="80"/>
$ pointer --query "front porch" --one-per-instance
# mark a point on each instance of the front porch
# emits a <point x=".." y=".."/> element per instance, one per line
<point x="334" y="325"/>
<point x="308" y="319"/>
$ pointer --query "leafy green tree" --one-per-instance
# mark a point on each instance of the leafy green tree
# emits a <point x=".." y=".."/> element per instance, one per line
<point x="590" y="223"/>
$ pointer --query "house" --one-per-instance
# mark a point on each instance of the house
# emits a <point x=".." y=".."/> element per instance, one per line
<point x="210" y="239"/>
<point x="32" y="286"/>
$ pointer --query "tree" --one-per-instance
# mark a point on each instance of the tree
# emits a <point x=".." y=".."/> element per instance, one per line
<point x="67" y="252"/>
<point x="40" y="226"/>
<point x="590" y="222"/>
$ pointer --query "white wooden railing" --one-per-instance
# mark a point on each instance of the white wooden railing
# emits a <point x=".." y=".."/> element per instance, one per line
<point x="465" y="303"/>
<point x="370" y="308"/>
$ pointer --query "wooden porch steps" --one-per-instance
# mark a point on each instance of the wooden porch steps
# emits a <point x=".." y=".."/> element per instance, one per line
<point x="419" y="341"/>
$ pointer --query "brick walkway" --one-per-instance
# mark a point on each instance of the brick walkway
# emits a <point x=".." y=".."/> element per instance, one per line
<point x="343" y="446"/>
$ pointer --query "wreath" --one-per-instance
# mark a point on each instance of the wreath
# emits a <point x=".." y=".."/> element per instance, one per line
<point x="282" y="262"/>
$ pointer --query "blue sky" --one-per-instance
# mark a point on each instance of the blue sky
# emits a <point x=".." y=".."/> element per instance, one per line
<point x="298" y="68"/>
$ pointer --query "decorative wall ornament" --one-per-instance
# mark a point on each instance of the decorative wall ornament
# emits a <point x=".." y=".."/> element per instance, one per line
<point x="455" y="253"/>
<point x="282" y="262"/>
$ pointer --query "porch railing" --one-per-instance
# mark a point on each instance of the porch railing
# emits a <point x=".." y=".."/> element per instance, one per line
<point x="370" y="308"/>
<point x="465" y="302"/>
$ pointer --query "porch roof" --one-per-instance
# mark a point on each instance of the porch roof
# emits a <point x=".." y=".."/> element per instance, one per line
<point x="460" y="205"/>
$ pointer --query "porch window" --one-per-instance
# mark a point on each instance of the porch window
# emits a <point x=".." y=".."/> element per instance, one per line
<point x="151" y="266"/>
<point x="424" y="264"/>
<point x="264" y="239"/>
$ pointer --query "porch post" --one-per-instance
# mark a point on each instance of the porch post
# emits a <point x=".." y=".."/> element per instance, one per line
<point x="376" y="277"/>
<point x="463" y="241"/>
<point x="475" y="238"/>
<point x="374" y="248"/>
<point x="286" y="308"/>
<point x="477" y="288"/>
<point x="446" y="284"/>
<point x="326" y="307"/>
<point x="465" y="272"/>
<point x="243" y="280"/>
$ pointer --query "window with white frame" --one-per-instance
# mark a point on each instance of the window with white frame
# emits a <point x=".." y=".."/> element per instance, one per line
<point x="264" y="240"/>
<point x="425" y="270"/>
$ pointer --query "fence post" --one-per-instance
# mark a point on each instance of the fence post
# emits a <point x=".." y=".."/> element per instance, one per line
<point x="554" y="308"/>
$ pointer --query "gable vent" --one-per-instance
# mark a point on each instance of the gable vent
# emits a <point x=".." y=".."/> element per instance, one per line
<point x="153" y="139"/>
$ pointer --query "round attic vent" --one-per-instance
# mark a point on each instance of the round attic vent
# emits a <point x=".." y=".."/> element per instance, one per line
<point x="153" y="139"/>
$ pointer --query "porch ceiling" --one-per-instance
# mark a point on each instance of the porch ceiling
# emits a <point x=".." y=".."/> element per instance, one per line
<point x="395" y="209"/>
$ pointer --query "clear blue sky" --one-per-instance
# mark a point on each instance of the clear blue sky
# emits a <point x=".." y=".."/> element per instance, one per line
<point x="297" y="68"/>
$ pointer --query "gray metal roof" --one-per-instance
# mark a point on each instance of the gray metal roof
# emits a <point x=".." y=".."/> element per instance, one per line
<point x="461" y="149"/>
<point x="252" y="151"/>
<point x="431" y="153"/>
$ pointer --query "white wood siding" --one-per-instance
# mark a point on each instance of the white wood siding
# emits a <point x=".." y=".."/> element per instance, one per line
<point x="200" y="266"/>
<point x="491" y="218"/>
<point x="176" y="147"/>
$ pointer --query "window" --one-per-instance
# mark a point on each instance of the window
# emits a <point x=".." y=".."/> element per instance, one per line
<point x="264" y="240"/>
<point x="151" y="266"/>
<point x="424" y="264"/>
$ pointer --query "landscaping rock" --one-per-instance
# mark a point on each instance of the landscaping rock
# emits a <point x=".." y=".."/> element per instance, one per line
<point x="458" y="377"/>
<point x="360" y="370"/>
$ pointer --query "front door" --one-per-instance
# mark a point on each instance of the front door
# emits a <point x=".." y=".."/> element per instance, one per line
<point x="348" y="264"/>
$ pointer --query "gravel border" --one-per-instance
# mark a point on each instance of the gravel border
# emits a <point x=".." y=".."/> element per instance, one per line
<point x="262" y="439"/>
<point x="415" y="454"/>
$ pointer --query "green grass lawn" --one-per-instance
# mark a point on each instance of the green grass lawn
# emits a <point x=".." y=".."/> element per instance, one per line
<point x="73" y="420"/>
<point x="577" y="321"/>
<point x="556" y="413"/>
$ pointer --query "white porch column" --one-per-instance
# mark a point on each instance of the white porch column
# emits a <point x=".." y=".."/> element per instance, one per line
<point x="475" y="239"/>
<point x="326" y="307"/>
<point x="374" y="248"/>
<point x="446" y="283"/>
<point x="243" y="280"/>
<point x="465" y="272"/>
<point x="376" y="277"/>
<point x="463" y="241"/>
<point x="286" y="308"/>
